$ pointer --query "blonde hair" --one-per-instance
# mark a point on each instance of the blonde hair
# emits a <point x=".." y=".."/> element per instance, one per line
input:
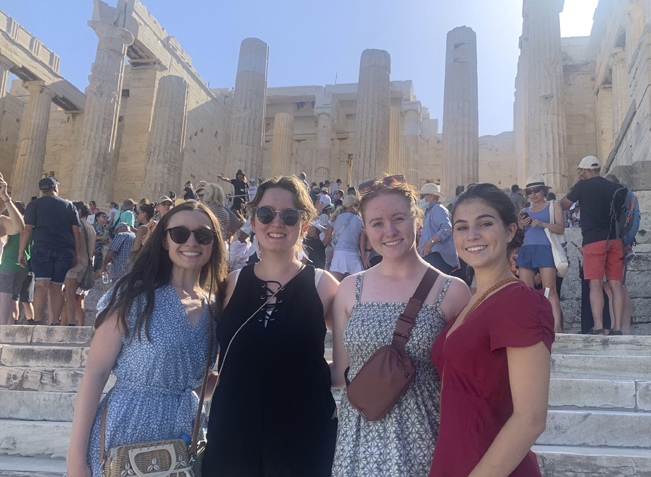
<point x="404" y="190"/>
<point x="213" y="194"/>
<point x="349" y="202"/>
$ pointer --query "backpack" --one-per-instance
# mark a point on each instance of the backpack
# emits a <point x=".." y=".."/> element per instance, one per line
<point x="625" y="215"/>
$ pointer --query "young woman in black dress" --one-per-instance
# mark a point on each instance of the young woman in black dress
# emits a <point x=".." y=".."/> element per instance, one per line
<point x="272" y="413"/>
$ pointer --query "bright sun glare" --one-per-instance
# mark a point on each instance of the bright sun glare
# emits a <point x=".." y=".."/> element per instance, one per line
<point x="576" y="19"/>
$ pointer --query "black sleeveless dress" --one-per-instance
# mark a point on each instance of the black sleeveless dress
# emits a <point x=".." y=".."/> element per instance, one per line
<point x="273" y="413"/>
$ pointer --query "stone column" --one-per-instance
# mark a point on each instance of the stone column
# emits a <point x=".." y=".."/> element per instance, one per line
<point x="33" y="137"/>
<point x="282" y="145"/>
<point x="323" y="144"/>
<point x="412" y="111"/>
<point x="620" y="89"/>
<point x="249" y="104"/>
<point x="164" y="162"/>
<point x="372" y="123"/>
<point x="521" y="105"/>
<point x="546" y="123"/>
<point x="5" y="66"/>
<point x="604" y="117"/>
<point x="97" y="158"/>
<point x="460" y="111"/>
<point x="646" y="11"/>
<point x="394" y="140"/>
<point x="633" y="24"/>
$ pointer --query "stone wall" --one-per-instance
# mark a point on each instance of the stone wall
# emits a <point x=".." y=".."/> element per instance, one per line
<point x="579" y="103"/>
<point x="10" y="127"/>
<point x="497" y="160"/>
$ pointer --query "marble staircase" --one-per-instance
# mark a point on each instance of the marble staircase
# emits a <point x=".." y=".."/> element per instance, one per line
<point x="599" y="421"/>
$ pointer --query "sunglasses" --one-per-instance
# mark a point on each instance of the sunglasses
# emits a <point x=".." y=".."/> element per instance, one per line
<point x="388" y="181"/>
<point x="533" y="191"/>
<point x="181" y="235"/>
<point x="266" y="215"/>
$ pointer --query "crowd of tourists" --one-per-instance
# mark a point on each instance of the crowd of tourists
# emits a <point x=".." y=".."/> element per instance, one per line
<point x="443" y="352"/>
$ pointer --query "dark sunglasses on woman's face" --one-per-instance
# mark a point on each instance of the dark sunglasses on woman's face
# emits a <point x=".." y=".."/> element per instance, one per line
<point x="534" y="191"/>
<point x="181" y="235"/>
<point x="265" y="215"/>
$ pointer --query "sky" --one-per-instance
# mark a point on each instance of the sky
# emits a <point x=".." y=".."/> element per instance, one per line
<point x="318" y="43"/>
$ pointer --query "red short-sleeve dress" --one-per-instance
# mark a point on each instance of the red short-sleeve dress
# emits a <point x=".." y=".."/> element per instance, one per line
<point x="476" y="395"/>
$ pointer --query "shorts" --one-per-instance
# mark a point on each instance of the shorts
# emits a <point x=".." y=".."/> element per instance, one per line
<point x="26" y="294"/>
<point x="77" y="272"/>
<point x="599" y="261"/>
<point x="11" y="281"/>
<point x="535" y="256"/>
<point x="51" y="264"/>
<point x="346" y="262"/>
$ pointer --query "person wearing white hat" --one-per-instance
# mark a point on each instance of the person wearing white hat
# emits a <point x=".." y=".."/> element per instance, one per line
<point x="602" y="251"/>
<point x="536" y="252"/>
<point x="436" y="245"/>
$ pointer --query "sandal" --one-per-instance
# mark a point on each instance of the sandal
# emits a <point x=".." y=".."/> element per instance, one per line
<point x="32" y="322"/>
<point x="615" y="333"/>
<point x="558" y="330"/>
<point x="596" y="332"/>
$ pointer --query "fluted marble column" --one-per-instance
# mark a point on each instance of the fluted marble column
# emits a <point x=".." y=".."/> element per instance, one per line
<point x="620" y="89"/>
<point x="323" y="145"/>
<point x="33" y="137"/>
<point x="282" y="144"/>
<point x="412" y="112"/>
<point x="5" y="66"/>
<point x="460" y="111"/>
<point x="249" y="104"/>
<point x="164" y="162"/>
<point x="373" y="117"/>
<point x="521" y="104"/>
<point x="633" y="24"/>
<point x="394" y="140"/>
<point x="97" y="159"/>
<point x="546" y="146"/>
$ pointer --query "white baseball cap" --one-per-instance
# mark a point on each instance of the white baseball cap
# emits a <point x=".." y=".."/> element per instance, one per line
<point x="589" y="162"/>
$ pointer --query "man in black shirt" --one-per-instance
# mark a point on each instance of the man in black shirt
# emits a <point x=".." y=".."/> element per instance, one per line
<point x="241" y="189"/>
<point x="57" y="246"/>
<point x="602" y="252"/>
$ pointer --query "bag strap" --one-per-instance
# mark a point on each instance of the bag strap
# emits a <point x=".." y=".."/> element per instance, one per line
<point x="551" y="213"/>
<point x="407" y="318"/>
<point x="197" y="419"/>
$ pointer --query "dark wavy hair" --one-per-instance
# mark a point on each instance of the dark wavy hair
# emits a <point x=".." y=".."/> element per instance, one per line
<point x="494" y="197"/>
<point x="291" y="184"/>
<point x="152" y="269"/>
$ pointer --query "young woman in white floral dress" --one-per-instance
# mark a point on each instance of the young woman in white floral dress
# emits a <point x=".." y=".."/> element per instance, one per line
<point x="366" y="308"/>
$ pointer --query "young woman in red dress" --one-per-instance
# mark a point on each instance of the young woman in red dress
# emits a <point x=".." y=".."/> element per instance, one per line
<point x="493" y="359"/>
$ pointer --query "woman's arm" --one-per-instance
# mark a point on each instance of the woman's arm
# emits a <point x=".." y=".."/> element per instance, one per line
<point x="529" y="377"/>
<point x="231" y="281"/>
<point x="140" y="236"/>
<point x="328" y="236"/>
<point x="327" y="289"/>
<point x="104" y="350"/>
<point x="343" y="304"/>
<point x="455" y="299"/>
<point x="363" y="247"/>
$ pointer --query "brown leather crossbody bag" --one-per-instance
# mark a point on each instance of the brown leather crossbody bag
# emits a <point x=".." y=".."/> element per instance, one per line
<point x="389" y="371"/>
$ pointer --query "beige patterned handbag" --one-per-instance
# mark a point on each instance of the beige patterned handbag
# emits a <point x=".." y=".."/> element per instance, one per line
<point x="170" y="458"/>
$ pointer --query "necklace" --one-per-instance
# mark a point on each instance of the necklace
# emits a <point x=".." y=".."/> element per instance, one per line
<point x="488" y="292"/>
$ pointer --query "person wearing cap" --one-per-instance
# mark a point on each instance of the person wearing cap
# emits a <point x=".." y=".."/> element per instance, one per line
<point x="163" y="206"/>
<point x="536" y="252"/>
<point x="56" y="230"/>
<point x="119" y="252"/>
<point x="436" y="245"/>
<point x="240" y="188"/>
<point x="602" y="251"/>
<point x="252" y="188"/>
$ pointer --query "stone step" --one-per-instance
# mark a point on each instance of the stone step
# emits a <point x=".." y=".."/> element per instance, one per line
<point x="583" y="392"/>
<point x="37" y="406"/>
<point x="597" y="428"/>
<point x="46" y="335"/>
<point x="62" y="380"/>
<point x="622" y="366"/>
<point x="586" y="344"/>
<point x="34" y="438"/>
<point x="16" y="466"/>
<point x="43" y="356"/>
<point x="569" y="461"/>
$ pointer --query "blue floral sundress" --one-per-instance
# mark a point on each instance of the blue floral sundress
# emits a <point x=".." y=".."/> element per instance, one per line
<point x="153" y="398"/>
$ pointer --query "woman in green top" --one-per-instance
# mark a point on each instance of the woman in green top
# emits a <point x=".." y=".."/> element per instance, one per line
<point x="12" y="275"/>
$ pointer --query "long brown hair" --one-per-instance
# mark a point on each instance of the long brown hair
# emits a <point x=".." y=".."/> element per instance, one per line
<point x="152" y="269"/>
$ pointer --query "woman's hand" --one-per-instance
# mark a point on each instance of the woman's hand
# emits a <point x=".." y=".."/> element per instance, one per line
<point x="522" y="221"/>
<point x="536" y="223"/>
<point x="78" y="469"/>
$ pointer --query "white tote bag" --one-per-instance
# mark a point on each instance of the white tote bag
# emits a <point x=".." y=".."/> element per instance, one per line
<point x="556" y="241"/>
